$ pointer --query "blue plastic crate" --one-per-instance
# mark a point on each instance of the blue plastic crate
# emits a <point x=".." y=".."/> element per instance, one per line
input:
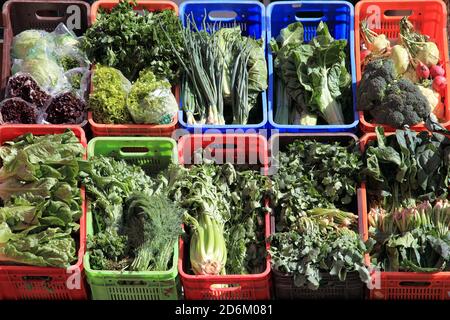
<point x="339" y="17"/>
<point x="250" y="16"/>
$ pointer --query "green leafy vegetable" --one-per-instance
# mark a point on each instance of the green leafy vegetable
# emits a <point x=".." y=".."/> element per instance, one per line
<point x="130" y="41"/>
<point x="233" y="200"/>
<point x="109" y="96"/>
<point x="135" y="225"/>
<point x="407" y="172"/>
<point x="314" y="232"/>
<point x="314" y="74"/>
<point x="41" y="199"/>
<point x="151" y="100"/>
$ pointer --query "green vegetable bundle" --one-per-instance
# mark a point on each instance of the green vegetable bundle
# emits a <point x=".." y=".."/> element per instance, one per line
<point x="312" y="78"/>
<point x="135" y="224"/>
<point x="225" y="73"/>
<point x="132" y="41"/>
<point x="407" y="167"/>
<point x="314" y="232"/>
<point x="41" y="199"/>
<point x="412" y="239"/>
<point x="225" y="209"/>
<point x="108" y="99"/>
<point x="408" y="175"/>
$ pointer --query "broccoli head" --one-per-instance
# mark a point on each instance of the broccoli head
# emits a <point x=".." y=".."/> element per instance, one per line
<point x="389" y="101"/>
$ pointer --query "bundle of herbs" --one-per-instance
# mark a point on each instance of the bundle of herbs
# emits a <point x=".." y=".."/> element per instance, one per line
<point x="132" y="41"/>
<point x="135" y="224"/>
<point x="315" y="232"/>
<point x="408" y="176"/>
<point x="224" y="209"/>
<point x="312" y="79"/>
<point x="225" y="74"/>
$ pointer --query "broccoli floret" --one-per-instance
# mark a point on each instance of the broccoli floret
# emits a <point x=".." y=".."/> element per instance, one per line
<point x="389" y="101"/>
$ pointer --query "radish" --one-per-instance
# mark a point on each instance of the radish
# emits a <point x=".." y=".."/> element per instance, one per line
<point x="436" y="71"/>
<point x="365" y="54"/>
<point x="422" y="71"/>
<point x="439" y="84"/>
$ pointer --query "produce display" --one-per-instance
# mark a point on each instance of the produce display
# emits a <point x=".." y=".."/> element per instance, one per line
<point x="329" y="210"/>
<point x="225" y="74"/>
<point x="408" y="175"/>
<point x="137" y="67"/>
<point x="403" y="80"/>
<point x="313" y="84"/>
<point x="49" y="79"/>
<point x="40" y="200"/>
<point x="316" y="231"/>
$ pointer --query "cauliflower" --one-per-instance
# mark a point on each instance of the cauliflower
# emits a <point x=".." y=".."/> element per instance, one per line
<point x="431" y="95"/>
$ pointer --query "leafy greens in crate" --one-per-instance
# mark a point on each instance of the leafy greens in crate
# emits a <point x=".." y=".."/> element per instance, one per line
<point x="408" y="176"/>
<point x="315" y="233"/>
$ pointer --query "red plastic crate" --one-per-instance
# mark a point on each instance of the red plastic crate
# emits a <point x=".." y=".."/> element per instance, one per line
<point x="400" y="285"/>
<point x="21" y="15"/>
<point x="165" y="130"/>
<point x="248" y="287"/>
<point x="30" y="282"/>
<point x="428" y="16"/>
<point x="352" y="288"/>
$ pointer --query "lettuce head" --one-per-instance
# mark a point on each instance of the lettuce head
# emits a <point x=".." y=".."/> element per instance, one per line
<point x="151" y="100"/>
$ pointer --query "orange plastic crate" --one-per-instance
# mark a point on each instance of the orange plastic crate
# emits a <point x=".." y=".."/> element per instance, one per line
<point x="30" y="282"/>
<point x="400" y="285"/>
<point x="246" y="287"/>
<point x="165" y="130"/>
<point x="428" y="16"/>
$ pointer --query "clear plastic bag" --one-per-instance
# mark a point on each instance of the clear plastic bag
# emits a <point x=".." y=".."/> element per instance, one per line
<point x="79" y="79"/>
<point x="46" y="71"/>
<point x="48" y="56"/>
<point x="66" y="108"/>
<point x="151" y="100"/>
<point x="67" y="51"/>
<point x="18" y="111"/>
<point x="31" y="43"/>
<point x="23" y="85"/>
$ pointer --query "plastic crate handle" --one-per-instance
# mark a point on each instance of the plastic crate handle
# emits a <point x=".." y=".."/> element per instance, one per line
<point x="132" y="283"/>
<point x="37" y="278"/>
<point x="134" y="151"/>
<point x="415" y="283"/>
<point x="222" y="15"/>
<point x="398" y="13"/>
<point x="306" y="16"/>
<point x="219" y="287"/>
<point x="49" y="14"/>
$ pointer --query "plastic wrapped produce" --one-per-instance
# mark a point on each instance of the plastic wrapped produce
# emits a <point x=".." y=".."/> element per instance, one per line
<point x="17" y="110"/>
<point x="66" y="108"/>
<point x="22" y="85"/>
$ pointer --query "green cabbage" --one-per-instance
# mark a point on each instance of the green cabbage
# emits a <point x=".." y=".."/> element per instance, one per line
<point x="27" y="40"/>
<point x="47" y="73"/>
<point x="151" y="101"/>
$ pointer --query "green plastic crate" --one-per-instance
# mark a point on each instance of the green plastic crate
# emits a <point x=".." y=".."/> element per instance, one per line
<point x="153" y="155"/>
